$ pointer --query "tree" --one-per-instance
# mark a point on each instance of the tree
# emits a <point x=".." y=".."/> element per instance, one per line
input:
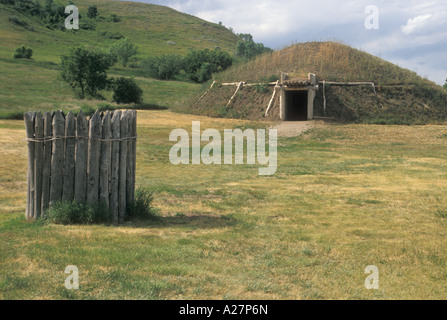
<point x="445" y="85"/>
<point x="85" y="70"/>
<point x="23" y="53"/>
<point x="164" y="67"/>
<point x="200" y="65"/>
<point x="126" y="90"/>
<point x="248" y="49"/>
<point x="92" y="12"/>
<point x="123" y="50"/>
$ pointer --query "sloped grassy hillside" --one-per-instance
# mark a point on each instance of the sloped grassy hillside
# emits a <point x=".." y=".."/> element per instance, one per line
<point x="402" y="96"/>
<point x="34" y="85"/>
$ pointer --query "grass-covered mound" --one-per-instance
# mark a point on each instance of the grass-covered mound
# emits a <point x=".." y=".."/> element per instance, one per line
<point x="401" y="95"/>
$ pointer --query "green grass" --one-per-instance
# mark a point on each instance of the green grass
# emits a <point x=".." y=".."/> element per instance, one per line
<point x="34" y="85"/>
<point x="370" y="195"/>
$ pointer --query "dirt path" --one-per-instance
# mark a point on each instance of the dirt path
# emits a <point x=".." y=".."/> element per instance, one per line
<point x="288" y="129"/>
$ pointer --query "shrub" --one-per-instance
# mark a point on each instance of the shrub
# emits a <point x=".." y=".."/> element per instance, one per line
<point x="72" y="212"/>
<point x="17" y="21"/>
<point x="114" y="18"/>
<point x="123" y="50"/>
<point x="200" y="65"/>
<point x="126" y="90"/>
<point x="111" y="35"/>
<point x="87" y="25"/>
<point x="92" y="12"/>
<point x="262" y="88"/>
<point x="22" y="53"/>
<point x="164" y="67"/>
<point x="141" y="208"/>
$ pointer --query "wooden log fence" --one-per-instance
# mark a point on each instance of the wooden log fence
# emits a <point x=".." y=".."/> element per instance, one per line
<point x="74" y="159"/>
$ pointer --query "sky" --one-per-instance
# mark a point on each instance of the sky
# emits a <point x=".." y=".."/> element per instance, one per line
<point x="409" y="33"/>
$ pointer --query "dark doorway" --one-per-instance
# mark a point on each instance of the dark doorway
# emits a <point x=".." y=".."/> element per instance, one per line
<point x="296" y="105"/>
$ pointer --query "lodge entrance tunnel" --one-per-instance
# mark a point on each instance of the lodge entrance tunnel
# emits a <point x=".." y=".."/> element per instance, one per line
<point x="296" y="105"/>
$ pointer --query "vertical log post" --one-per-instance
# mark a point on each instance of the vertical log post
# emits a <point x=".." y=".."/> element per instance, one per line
<point x="47" y="119"/>
<point x="57" y="160"/>
<point x="134" y="152"/>
<point x="122" y="167"/>
<point x="29" y="125"/>
<point x="104" y="166"/>
<point x="80" y="187"/>
<point x="38" y="165"/>
<point x="70" y="150"/>
<point x="94" y="149"/>
<point x="115" y="165"/>
<point x="129" y="167"/>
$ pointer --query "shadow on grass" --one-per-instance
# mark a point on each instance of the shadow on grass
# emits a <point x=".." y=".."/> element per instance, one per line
<point x="195" y="221"/>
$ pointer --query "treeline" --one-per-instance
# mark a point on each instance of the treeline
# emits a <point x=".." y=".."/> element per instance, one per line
<point x="199" y="65"/>
<point x="247" y="49"/>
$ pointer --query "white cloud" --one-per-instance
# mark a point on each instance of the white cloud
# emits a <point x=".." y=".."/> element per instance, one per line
<point x="415" y="23"/>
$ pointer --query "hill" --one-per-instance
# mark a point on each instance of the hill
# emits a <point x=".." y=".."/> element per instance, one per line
<point x="26" y="85"/>
<point x="401" y="95"/>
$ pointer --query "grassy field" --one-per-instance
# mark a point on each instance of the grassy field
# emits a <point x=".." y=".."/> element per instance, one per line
<point x="344" y="197"/>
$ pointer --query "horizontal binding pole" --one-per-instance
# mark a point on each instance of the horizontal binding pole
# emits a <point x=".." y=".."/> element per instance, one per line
<point x="75" y="137"/>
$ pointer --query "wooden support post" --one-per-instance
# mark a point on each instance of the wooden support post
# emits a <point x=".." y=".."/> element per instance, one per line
<point x="38" y="165"/>
<point x="122" y="168"/>
<point x="70" y="150"/>
<point x="130" y="162"/>
<point x="94" y="149"/>
<point x="29" y="126"/>
<point x="272" y="99"/>
<point x="134" y="152"/>
<point x="104" y="166"/>
<point x="206" y="92"/>
<point x="57" y="160"/>
<point x="80" y="186"/>
<point x="115" y="166"/>
<point x="46" y="171"/>
<point x="324" y="97"/>
<point x="235" y="93"/>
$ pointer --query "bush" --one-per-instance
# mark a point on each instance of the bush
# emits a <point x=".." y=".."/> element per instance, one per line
<point x="92" y="12"/>
<point x="111" y="35"/>
<point x="114" y="18"/>
<point x="126" y="90"/>
<point x="141" y="208"/>
<point x="72" y="212"/>
<point x="22" y="53"/>
<point x="17" y="21"/>
<point x="164" y="67"/>
<point x="200" y="65"/>
<point x="123" y="50"/>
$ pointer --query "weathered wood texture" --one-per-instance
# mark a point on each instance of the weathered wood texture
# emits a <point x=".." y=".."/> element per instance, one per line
<point x="57" y="159"/>
<point x="81" y="158"/>
<point x="89" y="161"/>
<point x="70" y="153"/>
<point x="104" y="166"/>
<point x="123" y="166"/>
<point x="115" y="164"/>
